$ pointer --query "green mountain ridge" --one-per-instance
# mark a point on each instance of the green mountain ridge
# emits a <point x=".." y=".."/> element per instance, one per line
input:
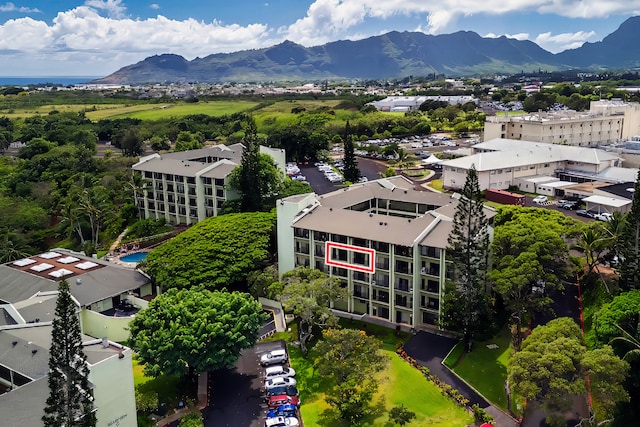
<point x="391" y="55"/>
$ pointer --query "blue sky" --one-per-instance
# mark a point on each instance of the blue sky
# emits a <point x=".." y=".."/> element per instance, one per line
<point x="97" y="37"/>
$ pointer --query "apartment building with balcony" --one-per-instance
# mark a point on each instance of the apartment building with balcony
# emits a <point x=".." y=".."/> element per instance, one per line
<point x="606" y="122"/>
<point x="385" y="240"/>
<point x="189" y="186"/>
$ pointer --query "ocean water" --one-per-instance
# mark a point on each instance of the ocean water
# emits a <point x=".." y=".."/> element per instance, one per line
<point x="61" y="80"/>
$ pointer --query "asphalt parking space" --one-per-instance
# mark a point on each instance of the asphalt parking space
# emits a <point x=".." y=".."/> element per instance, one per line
<point x="236" y="398"/>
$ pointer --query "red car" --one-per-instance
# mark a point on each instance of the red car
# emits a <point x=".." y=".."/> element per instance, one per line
<point x="283" y="399"/>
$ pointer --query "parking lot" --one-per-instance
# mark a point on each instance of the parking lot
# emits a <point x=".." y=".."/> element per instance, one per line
<point x="236" y="398"/>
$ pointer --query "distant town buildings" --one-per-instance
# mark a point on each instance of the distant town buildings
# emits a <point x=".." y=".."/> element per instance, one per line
<point x="413" y="103"/>
<point x="189" y="186"/>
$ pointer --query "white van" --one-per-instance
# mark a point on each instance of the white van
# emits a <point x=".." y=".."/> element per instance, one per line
<point x="279" y="371"/>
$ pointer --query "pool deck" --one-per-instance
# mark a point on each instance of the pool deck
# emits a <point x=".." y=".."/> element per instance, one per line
<point x="116" y="258"/>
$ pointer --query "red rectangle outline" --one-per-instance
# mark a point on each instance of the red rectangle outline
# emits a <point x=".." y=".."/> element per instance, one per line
<point x="328" y="261"/>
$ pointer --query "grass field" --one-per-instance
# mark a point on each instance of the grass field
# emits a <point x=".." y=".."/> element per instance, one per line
<point x="143" y="111"/>
<point x="399" y="384"/>
<point x="160" y="111"/>
<point x="485" y="368"/>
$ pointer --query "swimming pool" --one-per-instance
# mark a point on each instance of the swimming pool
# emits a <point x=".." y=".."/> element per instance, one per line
<point x="136" y="257"/>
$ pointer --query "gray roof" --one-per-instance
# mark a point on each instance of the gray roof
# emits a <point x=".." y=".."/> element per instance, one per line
<point x="383" y="228"/>
<point x="30" y="354"/>
<point x="97" y="284"/>
<point x="541" y="153"/>
<point x="41" y="307"/>
<point x="26" y="404"/>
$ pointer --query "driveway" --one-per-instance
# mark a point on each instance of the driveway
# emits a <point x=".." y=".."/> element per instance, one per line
<point x="429" y="350"/>
<point x="235" y="395"/>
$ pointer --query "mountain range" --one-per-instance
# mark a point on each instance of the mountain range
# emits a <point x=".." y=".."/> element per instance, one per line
<point x="392" y="55"/>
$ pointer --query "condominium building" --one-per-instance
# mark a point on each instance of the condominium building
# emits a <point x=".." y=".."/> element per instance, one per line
<point x="605" y="123"/>
<point x="384" y="239"/>
<point x="189" y="186"/>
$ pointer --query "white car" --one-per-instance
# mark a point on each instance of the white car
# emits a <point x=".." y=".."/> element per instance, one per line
<point x="604" y="216"/>
<point x="279" y="382"/>
<point x="281" y="422"/>
<point x="279" y="371"/>
<point x="273" y="357"/>
<point x="539" y="200"/>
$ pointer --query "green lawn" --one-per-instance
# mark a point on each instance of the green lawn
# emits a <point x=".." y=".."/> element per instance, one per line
<point x="169" y="388"/>
<point x="160" y="111"/>
<point x="484" y="368"/>
<point x="399" y="384"/>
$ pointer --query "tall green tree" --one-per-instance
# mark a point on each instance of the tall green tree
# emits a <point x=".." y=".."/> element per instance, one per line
<point x="257" y="180"/>
<point x="468" y="250"/>
<point x="247" y="183"/>
<point x="629" y="267"/>
<point x="350" y="360"/>
<point x="70" y="402"/>
<point x="190" y="331"/>
<point x="351" y="171"/>
<point x="308" y="293"/>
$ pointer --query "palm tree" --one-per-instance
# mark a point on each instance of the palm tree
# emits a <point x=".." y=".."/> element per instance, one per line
<point x="139" y="185"/>
<point x="630" y="342"/>
<point x="592" y="242"/>
<point x="9" y="250"/>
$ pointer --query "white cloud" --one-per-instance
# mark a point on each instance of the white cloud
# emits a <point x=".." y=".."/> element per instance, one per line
<point x="327" y="18"/>
<point x="114" y="8"/>
<point x="559" y="42"/>
<point x="518" y="36"/>
<point x="100" y="45"/>
<point x="10" y="7"/>
<point x="154" y="6"/>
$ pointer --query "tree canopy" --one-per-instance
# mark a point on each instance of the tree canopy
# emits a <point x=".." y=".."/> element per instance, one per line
<point x="190" y="331"/>
<point x="308" y="293"/>
<point x="552" y="364"/>
<point x="215" y="253"/>
<point x="466" y="308"/>
<point x="629" y="267"/>
<point x="350" y="359"/>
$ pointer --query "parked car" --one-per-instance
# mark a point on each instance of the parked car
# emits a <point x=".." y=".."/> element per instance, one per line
<point x="281" y="422"/>
<point x="283" y="399"/>
<point x="289" y="390"/>
<point x="539" y="200"/>
<point x="287" y="410"/>
<point x="279" y="371"/>
<point x="585" y="213"/>
<point x="279" y="382"/>
<point x="603" y="216"/>
<point x="273" y="357"/>
<point x="567" y="204"/>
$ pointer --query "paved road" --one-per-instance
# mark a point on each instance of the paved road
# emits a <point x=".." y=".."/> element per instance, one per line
<point x="429" y="350"/>
<point x="236" y="398"/>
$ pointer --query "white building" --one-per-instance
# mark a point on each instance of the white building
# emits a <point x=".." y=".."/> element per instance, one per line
<point x="384" y="239"/>
<point x="605" y="123"/>
<point x="502" y="163"/>
<point x="413" y="103"/>
<point x="189" y="186"/>
<point x="24" y="366"/>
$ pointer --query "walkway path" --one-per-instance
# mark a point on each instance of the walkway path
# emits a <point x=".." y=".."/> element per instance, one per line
<point x="116" y="244"/>
<point x="429" y="350"/>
